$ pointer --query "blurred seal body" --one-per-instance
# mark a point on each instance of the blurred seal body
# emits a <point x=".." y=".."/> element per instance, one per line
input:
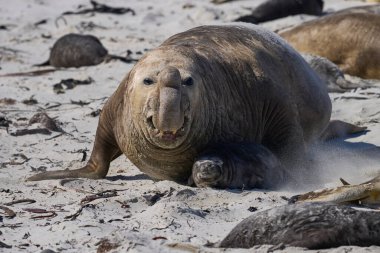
<point x="76" y="50"/>
<point x="275" y="9"/>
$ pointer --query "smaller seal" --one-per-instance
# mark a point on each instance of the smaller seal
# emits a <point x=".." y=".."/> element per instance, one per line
<point x="77" y="50"/>
<point x="309" y="225"/>
<point x="274" y="9"/>
<point x="332" y="75"/>
<point x="237" y="165"/>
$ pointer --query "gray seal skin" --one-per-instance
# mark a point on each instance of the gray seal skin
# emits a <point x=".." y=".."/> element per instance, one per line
<point x="309" y="225"/>
<point x="275" y="9"/>
<point x="350" y="40"/>
<point x="76" y="50"/>
<point x="331" y="74"/>
<point x="206" y="86"/>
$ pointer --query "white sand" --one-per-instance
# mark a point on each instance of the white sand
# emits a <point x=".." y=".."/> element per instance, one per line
<point x="180" y="220"/>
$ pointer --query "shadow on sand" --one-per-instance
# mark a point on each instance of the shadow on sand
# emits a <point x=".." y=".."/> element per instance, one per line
<point x="128" y="178"/>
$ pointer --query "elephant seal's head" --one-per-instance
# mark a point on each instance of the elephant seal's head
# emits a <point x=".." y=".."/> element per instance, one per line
<point x="167" y="98"/>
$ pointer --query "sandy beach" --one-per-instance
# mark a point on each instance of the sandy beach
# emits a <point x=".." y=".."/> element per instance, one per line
<point x="127" y="211"/>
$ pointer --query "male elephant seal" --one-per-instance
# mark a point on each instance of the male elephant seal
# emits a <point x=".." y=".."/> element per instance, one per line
<point x="211" y="90"/>
<point x="350" y="40"/>
<point x="274" y="9"/>
<point x="77" y="50"/>
<point x="309" y="225"/>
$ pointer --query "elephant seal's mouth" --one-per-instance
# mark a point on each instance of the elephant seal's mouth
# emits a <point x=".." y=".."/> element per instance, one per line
<point x="167" y="136"/>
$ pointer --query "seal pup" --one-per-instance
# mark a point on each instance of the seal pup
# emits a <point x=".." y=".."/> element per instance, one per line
<point x="309" y="225"/>
<point x="77" y="50"/>
<point x="205" y="87"/>
<point x="350" y="40"/>
<point x="224" y="170"/>
<point x="274" y="9"/>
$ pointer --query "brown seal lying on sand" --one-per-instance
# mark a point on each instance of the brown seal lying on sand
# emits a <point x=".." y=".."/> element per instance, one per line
<point x="309" y="225"/>
<point x="77" y="50"/>
<point x="274" y="9"/>
<point x="212" y="90"/>
<point x="350" y="40"/>
<point x="374" y="9"/>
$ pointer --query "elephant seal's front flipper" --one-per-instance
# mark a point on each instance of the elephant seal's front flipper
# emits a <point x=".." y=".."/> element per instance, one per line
<point x="340" y="129"/>
<point x="242" y="165"/>
<point x="97" y="167"/>
<point x="104" y="151"/>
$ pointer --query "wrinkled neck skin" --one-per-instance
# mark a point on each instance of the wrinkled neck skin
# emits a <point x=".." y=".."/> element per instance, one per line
<point x="163" y="118"/>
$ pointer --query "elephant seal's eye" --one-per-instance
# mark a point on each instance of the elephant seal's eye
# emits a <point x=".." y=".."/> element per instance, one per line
<point x="188" y="81"/>
<point x="148" y="81"/>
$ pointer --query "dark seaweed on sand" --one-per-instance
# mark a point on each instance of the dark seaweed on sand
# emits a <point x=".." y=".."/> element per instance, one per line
<point x="101" y="8"/>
